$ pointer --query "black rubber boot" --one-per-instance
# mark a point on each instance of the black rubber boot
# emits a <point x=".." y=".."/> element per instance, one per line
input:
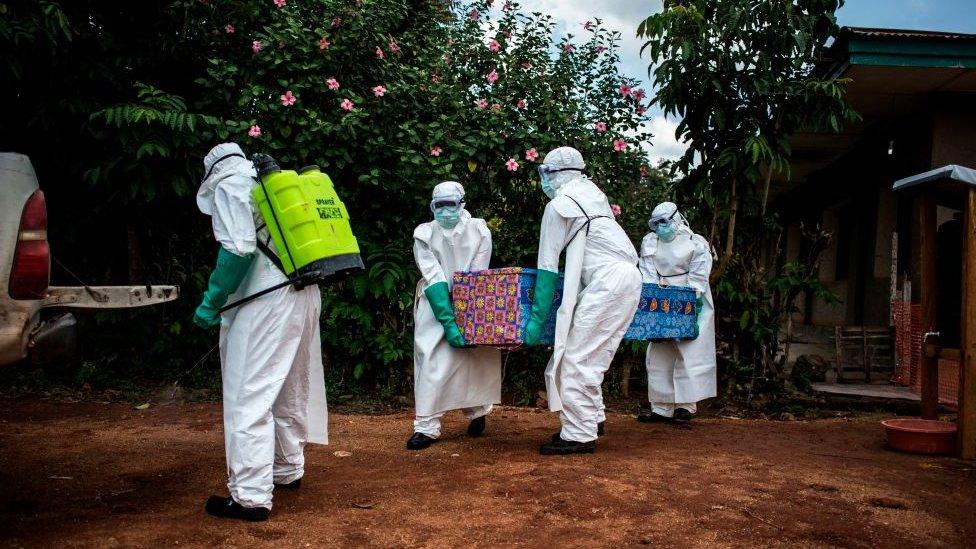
<point x="645" y="415"/>
<point x="420" y="441"/>
<point x="477" y="427"/>
<point x="683" y="416"/>
<point x="293" y="485"/>
<point x="228" y="508"/>
<point x="560" y="447"/>
<point x="599" y="432"/>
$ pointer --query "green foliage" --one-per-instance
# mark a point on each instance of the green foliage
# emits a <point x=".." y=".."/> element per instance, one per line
<point x="131" y="137"/>
<point x="742" y="76"/>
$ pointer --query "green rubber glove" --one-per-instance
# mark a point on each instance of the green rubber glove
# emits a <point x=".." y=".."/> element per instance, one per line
<point x="545" y="291"/>
<point x="439" y="297"/>
<point x="224" y="280"/>
<point x="699" y="305"/>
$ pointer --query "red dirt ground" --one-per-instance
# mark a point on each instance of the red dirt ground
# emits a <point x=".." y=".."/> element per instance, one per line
<point x="108" y="475"/>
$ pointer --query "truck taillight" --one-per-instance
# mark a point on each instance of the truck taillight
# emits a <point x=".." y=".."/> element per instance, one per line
<point x="30" y="274"/>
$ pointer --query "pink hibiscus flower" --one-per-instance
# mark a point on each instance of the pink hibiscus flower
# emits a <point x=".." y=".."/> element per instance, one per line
<point x="481" y="104"/>
<point x="336" y="21"/>
<point x="256" y="46"/>
<point x="569" y="48"/>
<point x="394" y="47"/>
<point x="379" y="52"/>
<point x="625" y="90"/>
<point x="512" y="165"/>
<point x="288" y="99"/>
<point x="615" y="208"/>
<point x="639" y="94"/>
<point x="324" y="43"/>
<point x="521" y="104"/>
<point x="473" y="15"/>
<point x="332" y="83"/>
<point x="346" y="105"/>
<point x="280" y="3"/>
<point x="254" y="131"/>
<point x="588" y="25"/>
<point x="229" y="29"/>
<point x="435" y="151"/>
<point x="494" y="45"/>
<point x="619" y="145"/>
<point x="531" y="154"/>
<point x="379" y="91"/>
<point x="506" y="6"/>
<point x="600" y="48"/>
<point x="640" y="111"/>
<point x="492" y="76"/>
<point x="601" y="127"/>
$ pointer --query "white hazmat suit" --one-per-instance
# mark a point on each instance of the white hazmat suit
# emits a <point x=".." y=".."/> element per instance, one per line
<point x="445" y="377"/>
<point x="680" y="373"/>
<point x="270" y="351"/>
<point x="602" y="289"/>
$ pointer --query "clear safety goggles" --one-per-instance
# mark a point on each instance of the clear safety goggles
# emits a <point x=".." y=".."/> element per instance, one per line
<point x="446" y="202"/>
<point x="546" y="171"/>
<point x="656" y="222"/>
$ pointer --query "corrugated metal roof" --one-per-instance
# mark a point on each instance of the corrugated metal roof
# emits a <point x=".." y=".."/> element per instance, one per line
<point x="907" y="34"/>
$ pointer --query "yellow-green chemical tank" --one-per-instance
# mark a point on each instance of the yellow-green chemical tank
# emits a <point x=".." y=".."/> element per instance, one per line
<point x="307" y="221"/>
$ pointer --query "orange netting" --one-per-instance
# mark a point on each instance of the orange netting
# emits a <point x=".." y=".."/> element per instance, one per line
<point x="908" y="351"/>
<point x="908" y="343"/>
<point x="949" y="382"/>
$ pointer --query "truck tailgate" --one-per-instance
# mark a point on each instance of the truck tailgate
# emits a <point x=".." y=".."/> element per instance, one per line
<point x="109" y="297"/>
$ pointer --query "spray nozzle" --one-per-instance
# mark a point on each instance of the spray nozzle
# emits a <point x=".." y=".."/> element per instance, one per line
<point x="265" y="164"/>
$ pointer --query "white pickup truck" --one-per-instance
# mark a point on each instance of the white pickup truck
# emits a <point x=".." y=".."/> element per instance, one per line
<point x="25" y="272"/>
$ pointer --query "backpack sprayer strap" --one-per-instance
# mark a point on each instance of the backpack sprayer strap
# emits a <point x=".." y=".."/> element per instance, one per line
<point x="586" y="224"/>
<point x="269" y="253"/>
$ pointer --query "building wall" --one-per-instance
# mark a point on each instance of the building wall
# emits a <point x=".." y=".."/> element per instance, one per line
<point x="823" y="313"/>
<point x="954" y="131"/>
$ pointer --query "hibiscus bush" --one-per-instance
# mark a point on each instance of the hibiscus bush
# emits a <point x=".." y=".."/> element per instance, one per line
<point x="389" y="98"/>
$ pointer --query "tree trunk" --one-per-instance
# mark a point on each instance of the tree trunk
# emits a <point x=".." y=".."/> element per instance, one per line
<point x="769" y="175"/>
<point x="135" y="260"/>
<point x="625" y="369"/>
<point x="723" y="263"/>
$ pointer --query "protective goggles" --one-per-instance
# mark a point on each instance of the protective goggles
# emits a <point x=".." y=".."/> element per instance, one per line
<point x="545" y="171"/>
<point x="446" y="202"/>
<point x="656" y="222"/>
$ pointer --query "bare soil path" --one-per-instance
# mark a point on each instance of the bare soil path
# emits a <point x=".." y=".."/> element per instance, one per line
<point x="108" y="475"/>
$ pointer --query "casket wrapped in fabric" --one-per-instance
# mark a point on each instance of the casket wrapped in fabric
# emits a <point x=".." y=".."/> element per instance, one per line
<point x="665" y="313"/>
<point x="492" y="306"/>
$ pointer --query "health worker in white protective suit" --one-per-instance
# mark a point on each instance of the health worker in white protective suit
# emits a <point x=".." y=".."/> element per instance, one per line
<point x="601" y="291"/>
<point x="270" y="354"/>
<point x="679" y="373"/>
<point x="449" y="375"/>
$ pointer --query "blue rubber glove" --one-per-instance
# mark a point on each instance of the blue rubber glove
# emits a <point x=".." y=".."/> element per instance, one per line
<point x="224" y="280"/>
<point x="545" y="291"/>
<point x="439" y="297"/>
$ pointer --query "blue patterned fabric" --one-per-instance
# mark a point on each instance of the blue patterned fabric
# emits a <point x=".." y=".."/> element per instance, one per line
<point x="492" y="307"/>
<point x="664" y="314"/>
<point x="527" y="281"/>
